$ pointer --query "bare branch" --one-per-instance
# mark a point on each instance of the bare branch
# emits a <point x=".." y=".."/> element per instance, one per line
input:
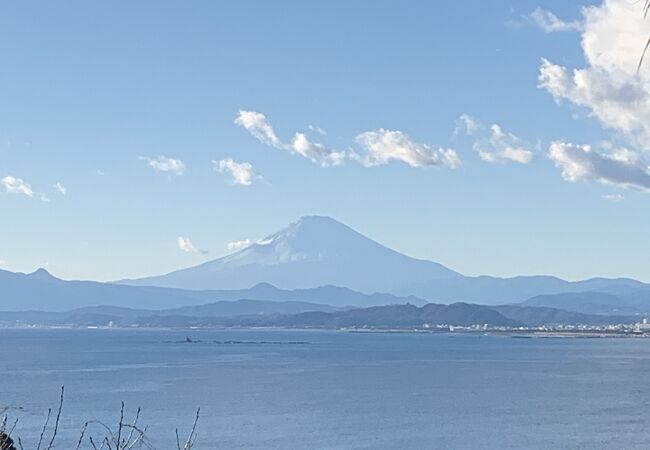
<point x="128" y="436"/>
<point x="133" y="428"/>
<point x="119" y="427"/>
<point x="645" y="50"/>
<point x="13" y="427"/>
<point x="47" y="421"/>
<point x="140" y="439"/>
<point x="58" y="417"/>
<point x="646" y="9"/>
<point x="83" y="431"/>
<point x="190" y="439"/>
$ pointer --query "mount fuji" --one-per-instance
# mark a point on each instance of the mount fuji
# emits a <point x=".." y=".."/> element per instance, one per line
<point x="319" y="251"/>
<point x="313" y="251"/>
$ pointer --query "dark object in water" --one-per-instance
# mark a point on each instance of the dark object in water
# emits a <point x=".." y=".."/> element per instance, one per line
<point x="6" y="443"/>
<point x="187" y="340"/>
<point x="262" y="342"/>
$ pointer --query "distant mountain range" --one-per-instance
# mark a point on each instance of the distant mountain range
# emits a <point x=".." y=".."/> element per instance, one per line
<point x="103" y="315"/>
<point x="321" y="265"/>
<point x="633" y="302"/>
<point x="495" y="291"/>
<point x="402" y="316"/>
<point x="254" y="313"/>
<point x="42" y="299"/>
<point x="316" y="251"/>
<point x="390" y="316"/>
<point x="42" y="291"/>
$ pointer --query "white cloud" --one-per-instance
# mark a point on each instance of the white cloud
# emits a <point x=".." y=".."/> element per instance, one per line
<point x="185" y="244"/>
<point x="60" y="188"/>
<point x="494" y="144"/>
<point x="624" y="167"/>
<point x="238" y="245"/>
<point x="382" y="146"/>
<point x="550" y="23"/>
<point x="611" y="90"/>
<point x="316" y="152"/>
<point x="100" y="172"/>
<point x="242" y="173"/>
<point x="165" y="164"/>
<point x="502" y="147"/>
<point x="317" y="129"/>
<point x="613" y="197"/>
<point x="468" y="125"/>
<point x="609" y="86"/>
<point x="378" y="147"/>
<point x="257" y="124"/>
<point x="17" y="186"/>
<point x="44" y="198"/>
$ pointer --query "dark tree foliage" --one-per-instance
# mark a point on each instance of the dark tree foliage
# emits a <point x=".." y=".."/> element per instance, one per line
<point x="6" y="443"/>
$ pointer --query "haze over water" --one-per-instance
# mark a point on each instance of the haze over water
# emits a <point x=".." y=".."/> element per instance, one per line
<point x="335" y="390"/>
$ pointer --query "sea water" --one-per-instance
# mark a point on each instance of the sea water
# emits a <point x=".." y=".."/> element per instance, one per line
<point x="284" y="389"/>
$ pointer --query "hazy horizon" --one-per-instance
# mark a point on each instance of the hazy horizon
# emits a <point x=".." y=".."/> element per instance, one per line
<point x="248" y="244"/>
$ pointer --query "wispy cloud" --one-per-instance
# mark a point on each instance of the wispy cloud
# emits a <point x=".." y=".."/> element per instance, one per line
<point x="242" y="173"/>
<point x="238" y="245"/>
<point x="613" y="197"/>
<point x="60" y="188"/>
<point x="316" y="152"/>
<point x="382" y="146"/>
<point x="257" y="124"/>
<point x="550" y="23"/>
<point x="493" y="144"/>
<point x="185" y="244"/>
<point x="468" y="125"/>
<point x="317" y="129"/>
<point x="17" y="186"/>
<point x="164" y="164"/>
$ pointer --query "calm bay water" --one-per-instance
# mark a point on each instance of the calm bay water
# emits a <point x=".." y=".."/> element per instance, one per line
<point x="335" y="390"/>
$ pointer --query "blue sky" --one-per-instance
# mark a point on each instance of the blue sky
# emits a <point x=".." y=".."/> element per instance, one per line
<point x="93" y="94"/>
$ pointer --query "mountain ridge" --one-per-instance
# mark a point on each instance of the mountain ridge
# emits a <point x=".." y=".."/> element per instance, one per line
<point x="320" y="251"/>
<point x="606" y="303"/>
<point x="41" y="290"/>
<point x="300" y="315"/>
